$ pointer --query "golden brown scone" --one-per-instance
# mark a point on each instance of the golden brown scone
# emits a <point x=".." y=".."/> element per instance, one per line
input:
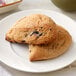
<point x="52" y="50"/>
<point x="33" y="29"/>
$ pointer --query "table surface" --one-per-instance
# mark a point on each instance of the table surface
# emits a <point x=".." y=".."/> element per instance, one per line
<point x="38" y="4"/>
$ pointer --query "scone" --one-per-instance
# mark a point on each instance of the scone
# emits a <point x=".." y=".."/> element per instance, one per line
<point x="52" y="50"/>
<point x="33" y="29"/>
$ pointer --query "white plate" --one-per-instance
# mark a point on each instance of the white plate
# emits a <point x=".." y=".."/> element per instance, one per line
<point x="17" y="55"/>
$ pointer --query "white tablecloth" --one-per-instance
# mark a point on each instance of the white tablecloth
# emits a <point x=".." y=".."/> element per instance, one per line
<point x="38" y="4"/>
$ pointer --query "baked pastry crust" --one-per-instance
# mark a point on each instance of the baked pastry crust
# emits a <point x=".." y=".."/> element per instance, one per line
<point x="33" y="29"/>
<point x="59" y="46"/>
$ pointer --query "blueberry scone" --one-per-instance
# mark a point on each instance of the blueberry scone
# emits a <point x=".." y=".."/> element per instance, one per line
<point x="53" y="49"/>
<point x="33" y="29"/>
